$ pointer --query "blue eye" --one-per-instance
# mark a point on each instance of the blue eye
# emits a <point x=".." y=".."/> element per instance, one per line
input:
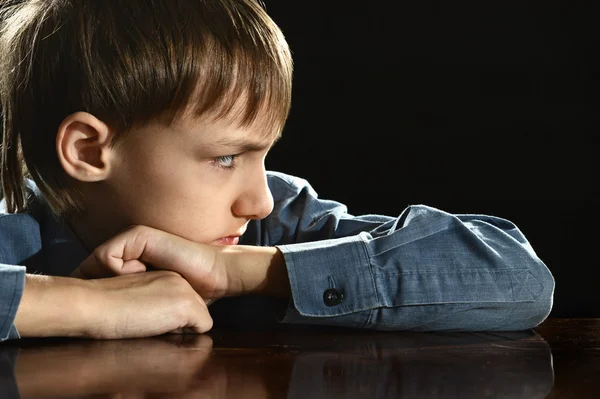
<point x="225" y="162"/>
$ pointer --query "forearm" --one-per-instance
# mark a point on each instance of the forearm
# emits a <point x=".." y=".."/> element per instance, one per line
<point x="436" y="272"/>
<point x="256" y="270"/>
<point x="51" y="306"/>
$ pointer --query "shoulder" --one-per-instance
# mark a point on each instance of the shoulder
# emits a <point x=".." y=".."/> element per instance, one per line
<point x="20" y="236"/>
<point x="285" y="185"/>
<point x="12" y="223"/>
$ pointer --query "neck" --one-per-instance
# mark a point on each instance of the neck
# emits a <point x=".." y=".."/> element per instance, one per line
<point x="92" y="229"/>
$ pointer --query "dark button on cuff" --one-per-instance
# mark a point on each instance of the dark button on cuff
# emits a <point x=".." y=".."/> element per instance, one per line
<point x="332" y="297"/>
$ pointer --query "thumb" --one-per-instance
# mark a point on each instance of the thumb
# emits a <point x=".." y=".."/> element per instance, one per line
<point x="93" y="267"/>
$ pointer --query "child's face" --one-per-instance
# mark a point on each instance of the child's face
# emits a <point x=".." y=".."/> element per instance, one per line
<point x="200" y="180"/>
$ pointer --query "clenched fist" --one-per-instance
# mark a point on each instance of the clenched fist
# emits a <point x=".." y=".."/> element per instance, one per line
<point x="141" y="248"/>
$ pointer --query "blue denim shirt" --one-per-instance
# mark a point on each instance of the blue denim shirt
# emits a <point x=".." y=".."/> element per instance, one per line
<point x="424" y="270"/>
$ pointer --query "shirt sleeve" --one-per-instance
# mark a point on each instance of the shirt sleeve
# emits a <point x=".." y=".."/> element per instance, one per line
<point x="424" y="270"/>
<point x="12" y="282"/>
<point x="20" y="246"/>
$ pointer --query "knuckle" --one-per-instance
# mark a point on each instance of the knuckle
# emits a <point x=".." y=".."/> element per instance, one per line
<point x="101" y="254"/>
<point x="185" y="303"/>
<point x="185" y="307"/>
<point x="208" y="324"/>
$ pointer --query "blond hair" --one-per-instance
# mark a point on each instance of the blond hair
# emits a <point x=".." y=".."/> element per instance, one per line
<point x="127" y="62"/>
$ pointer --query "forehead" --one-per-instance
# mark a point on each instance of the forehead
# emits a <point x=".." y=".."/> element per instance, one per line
<point x="230" y="131"/>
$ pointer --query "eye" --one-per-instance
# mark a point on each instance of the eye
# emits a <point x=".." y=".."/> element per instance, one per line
<point x="225" y="162"/>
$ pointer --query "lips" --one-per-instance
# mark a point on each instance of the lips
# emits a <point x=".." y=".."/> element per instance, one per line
<point x="231" y="240"/>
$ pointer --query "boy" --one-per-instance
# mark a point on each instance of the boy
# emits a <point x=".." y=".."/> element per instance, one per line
<point x="135" y="192"/>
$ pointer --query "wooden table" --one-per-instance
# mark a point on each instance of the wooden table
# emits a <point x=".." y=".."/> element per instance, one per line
<point x="559" y="359"/>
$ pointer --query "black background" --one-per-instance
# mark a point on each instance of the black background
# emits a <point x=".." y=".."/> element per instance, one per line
<point x="468" y="106"/>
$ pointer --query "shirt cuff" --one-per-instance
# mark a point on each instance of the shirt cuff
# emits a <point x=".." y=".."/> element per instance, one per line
<point x="12" y="283"/>
<point x="341" y="265"/>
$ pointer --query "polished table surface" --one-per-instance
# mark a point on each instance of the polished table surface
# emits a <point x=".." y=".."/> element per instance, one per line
<point x="559" y="359"/>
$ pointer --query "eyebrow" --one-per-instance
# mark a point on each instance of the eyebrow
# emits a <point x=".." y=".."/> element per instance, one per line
<point x="244" y="145"/>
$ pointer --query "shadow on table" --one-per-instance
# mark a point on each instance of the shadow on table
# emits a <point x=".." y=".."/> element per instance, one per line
<point x="305" y="364"/>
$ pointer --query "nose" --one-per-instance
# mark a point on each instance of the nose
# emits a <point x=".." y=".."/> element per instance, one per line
<point x="256" y="200"/>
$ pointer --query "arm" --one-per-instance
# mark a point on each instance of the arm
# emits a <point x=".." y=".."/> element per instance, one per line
<point x="62" y="312"/>
<point x="12" y="279"/>
<point x="423" y="270"/>
<point x="138" y="305"/>
<point x="34" y="305"/>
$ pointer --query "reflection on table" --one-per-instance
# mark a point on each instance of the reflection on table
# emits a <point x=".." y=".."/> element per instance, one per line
<point x="310" y="363"/>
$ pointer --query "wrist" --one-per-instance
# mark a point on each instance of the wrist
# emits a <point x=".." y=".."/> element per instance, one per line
<point x="52" y="306"/>
<point x="255" y="270"/>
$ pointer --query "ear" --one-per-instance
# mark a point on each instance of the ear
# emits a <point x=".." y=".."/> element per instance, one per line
<point x="83" y="147"/>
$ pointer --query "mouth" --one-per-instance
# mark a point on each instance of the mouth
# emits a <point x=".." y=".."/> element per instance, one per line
<point x="231" y="240"/>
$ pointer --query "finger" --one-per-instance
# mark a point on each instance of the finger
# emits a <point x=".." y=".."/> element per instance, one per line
<point x="117" y="256"/>
<point x="92" y="268"/>
<point x="133" y="266"/>
<point x="96" y="266"/>
<point x="200" y="318"/>
<point x="199" y="324"/>
<point x="185" y="330"/>
<point x="200" y="321"/>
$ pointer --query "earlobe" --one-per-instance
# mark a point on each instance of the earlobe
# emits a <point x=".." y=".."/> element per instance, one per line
<point x="83" y="147"/>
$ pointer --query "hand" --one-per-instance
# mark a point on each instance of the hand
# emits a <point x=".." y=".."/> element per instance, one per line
<point x="146" y="304"/>
<point x="213" y="271"/>
<point x="136" y="248"/>
<point x="137" y="305"/>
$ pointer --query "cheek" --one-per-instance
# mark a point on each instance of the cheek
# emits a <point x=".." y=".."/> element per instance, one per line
<point x="159" y="180"/>
<point x="191" y="208"/>
<point x="175" y="194"/>
<point x="202" y="226"/>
